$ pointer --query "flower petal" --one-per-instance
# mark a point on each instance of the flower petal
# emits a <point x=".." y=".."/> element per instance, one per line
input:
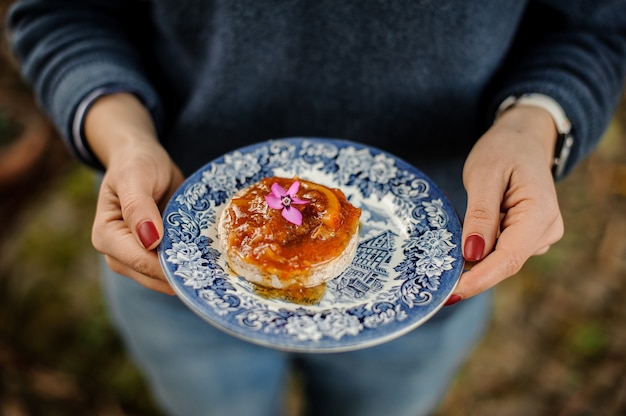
<point x="278" y="190"/>
<point x="295" y="200"/>
<point x="293" y="189"/>
<point x="274" y="201"/>
<point x="292" y="215"/>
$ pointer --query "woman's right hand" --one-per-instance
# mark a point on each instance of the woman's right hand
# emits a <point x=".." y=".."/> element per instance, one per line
<point x="138" y="181"/>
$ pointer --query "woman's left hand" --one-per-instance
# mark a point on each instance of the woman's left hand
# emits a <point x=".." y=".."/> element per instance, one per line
<point x="513" y="211"/>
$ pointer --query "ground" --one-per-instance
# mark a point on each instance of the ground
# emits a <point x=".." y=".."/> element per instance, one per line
<point x="556" y="344"/>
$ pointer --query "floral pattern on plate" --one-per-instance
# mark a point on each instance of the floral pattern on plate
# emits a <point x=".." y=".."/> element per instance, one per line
<point x="408" y="259"/>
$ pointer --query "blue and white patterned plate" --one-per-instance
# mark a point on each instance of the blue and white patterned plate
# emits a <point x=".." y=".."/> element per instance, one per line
<point x="408" y="259"/>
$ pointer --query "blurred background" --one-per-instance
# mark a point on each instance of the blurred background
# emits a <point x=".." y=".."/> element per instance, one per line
<point x="556" y="345"/>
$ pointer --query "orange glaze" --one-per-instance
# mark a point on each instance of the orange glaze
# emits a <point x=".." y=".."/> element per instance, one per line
<point x="261" y="236"/>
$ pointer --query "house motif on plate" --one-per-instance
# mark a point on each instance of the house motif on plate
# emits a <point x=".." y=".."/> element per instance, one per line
<point x="366" y="273"/>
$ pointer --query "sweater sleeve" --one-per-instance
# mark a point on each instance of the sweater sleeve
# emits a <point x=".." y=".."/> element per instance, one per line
<point x="70" y="49"/>
<point x="574" y="52"/>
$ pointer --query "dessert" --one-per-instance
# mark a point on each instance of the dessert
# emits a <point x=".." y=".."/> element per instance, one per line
<point x="284" y="232"/>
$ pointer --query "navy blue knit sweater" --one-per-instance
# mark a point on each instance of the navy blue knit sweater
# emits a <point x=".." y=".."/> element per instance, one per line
<point x="420" y="79"/>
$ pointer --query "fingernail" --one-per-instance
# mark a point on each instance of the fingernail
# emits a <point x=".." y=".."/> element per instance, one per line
<point x="454" y="298"/>
<point x="147" y="233"/>
<point x="474" y="246"/>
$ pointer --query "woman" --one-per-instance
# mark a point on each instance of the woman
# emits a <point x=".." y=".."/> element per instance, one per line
<point x="496" y="97"/>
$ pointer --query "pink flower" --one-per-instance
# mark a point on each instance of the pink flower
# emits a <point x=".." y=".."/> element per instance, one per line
<point x="281" y="199"/>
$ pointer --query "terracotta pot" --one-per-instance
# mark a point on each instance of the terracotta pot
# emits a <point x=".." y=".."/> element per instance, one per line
<point x="22" y="154"/>
<point x="30" y="162"/>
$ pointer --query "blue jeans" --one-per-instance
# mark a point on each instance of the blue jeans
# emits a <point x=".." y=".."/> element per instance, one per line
<point x="194" y="369"/>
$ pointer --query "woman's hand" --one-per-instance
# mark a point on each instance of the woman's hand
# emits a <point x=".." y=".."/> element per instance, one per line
<point x="512" y="212"/>
<point x="139" y="179"/>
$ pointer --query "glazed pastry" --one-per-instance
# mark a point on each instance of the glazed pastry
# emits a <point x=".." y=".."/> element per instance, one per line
<point x="282" y="232"/>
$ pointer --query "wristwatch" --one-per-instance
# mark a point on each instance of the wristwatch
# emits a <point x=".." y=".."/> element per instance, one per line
<point x="564" y="141"/>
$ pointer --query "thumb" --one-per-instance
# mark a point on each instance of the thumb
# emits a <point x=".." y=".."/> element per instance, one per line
<point x="148" y="234"/>
<point x="142" y="216"/>
<point x="482" y="221"/>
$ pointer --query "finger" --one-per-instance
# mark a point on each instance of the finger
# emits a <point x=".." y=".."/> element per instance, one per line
<point x="516" y="245"/>
<point x="141" y="202"/>
<point x="506" y="260"/>
<point x="141" y="213"/>
<point x="481" y="224"/>
<point x="492" y="270"/>
<point x="542" y="250"/>
<point x="176" y="181"/>
<point x="112" y="237"/>
<point x="148" y="282"/>
<point x="116" y="241"/>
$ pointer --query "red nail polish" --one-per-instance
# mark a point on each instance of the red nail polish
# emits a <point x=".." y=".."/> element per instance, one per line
<point x="454" y="298"/>
<point x="147" y="233"/>
<point x="474" y="247"/>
